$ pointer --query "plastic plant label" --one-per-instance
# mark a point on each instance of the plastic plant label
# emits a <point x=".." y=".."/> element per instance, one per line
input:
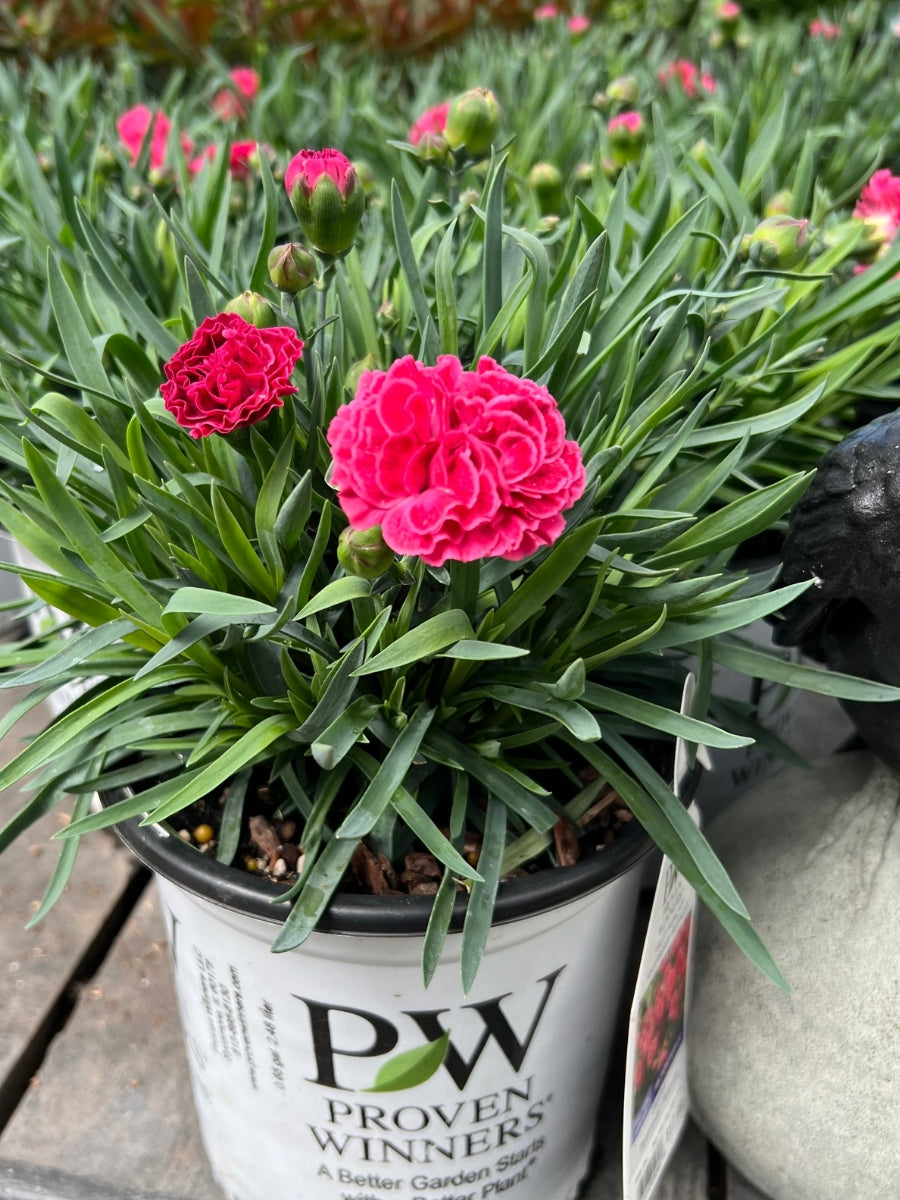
<point x="656" y="1097"/>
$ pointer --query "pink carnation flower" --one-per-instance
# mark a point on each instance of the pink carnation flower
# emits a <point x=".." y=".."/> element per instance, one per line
<point x="825" y="29"/>
<point x="879" y="204"/>
<point x="432" y="120"/>
<point x="132" y="128"/>
<point x="689" y="77"/>
<point x="729" y="11"/>
<point x="455" y="464"/>
<point x="230" y="103"/>
<point x="578" y="25"/>
<point x="546" y="12"/>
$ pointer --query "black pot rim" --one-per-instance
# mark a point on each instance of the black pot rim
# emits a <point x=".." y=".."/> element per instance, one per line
<point x="229" y="887"/>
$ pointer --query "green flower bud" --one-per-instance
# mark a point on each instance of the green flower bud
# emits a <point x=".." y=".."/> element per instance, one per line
<point x="254" y="309"/>
<point x="779" y="205"/>
<point x="433" y="148"/>
<point x="351" y="379"/>
<point x="623" y="90"/>
<point x="291" y="267"/>
<point x="699" y="152"/>
<point x="328" y="198"/>
<point x="473" y="121"/>
<point x="777" y="242"/>
<point x="546" y="182"/>
<point x="363" y="552"/>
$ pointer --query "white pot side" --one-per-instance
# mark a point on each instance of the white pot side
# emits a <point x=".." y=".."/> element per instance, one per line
<point x="284" y="1049"/>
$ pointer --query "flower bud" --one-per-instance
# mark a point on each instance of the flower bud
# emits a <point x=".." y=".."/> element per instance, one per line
<point x="363" y="552"/>
<point x="472" y="121"/>
<point x="623" y="90"/>
<point x="546" y="183"/>
<point x="777" y="242"/>
<point x="352" y="378"/>
<point x="728" y="14"/>
<point x="699" y="152"/>
<point x="291" y="267"/>
<point x="253" y="308"/>
<point x="626" y="138"/>
<point x="433" y="148"/>
<point x="779" y="205"/>
<point x="327" y="197"/>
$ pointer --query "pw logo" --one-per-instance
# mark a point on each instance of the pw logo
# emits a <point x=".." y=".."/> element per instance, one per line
<point x="385" y="1034"/>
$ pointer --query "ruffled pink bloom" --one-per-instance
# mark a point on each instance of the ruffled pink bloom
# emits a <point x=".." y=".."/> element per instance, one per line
<point x="689" y="77"/>
<point x="578" y="25"/>
<point x="132" y="129"/>
<point x="879" y="204"/>
<point x="455" y="464"/>
<point x="729" y="11"/>
<point x="633" y="122"/>
<point x="546" y="12"/>
<point x="230" y="374"/>
<point x="432" y="120"/>
<point x="825" y="29"/>
<point x="231" y="103"/>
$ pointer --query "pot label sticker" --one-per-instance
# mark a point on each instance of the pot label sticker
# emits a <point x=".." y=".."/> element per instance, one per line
<point x="656" y="1097"/>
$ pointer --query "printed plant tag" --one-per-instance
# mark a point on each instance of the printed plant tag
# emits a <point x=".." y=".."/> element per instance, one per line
<point x="656" y="1098"/>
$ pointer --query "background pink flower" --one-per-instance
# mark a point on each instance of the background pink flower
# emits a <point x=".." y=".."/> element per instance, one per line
<point x="546" y="12"/>
<point x="578" y="25"/>
<point x="689" y="76"/>
<point x="455" y="464"/>
<point x="230" y="374"/>
<point x="633" y="122"/>
<point x="825" y="29"/>
<point x="879" y="204"/>
<point x="240" y="156"/>
<point x="432" y="120"/>
<point x="231" y="103"/>
<point x="132" y="129"/>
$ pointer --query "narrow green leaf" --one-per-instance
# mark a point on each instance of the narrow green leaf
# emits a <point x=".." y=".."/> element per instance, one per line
<point x="421" y="643"/>
<point x="81" y="352"/>
<point x="389" y="777"/>
<point x="654" y="716"/>
<point x="480" y="909"/>
<point x="247" y="747"/>
<point x="218" y="604"/>
<point x="759" y="664"/>
<point x="339" y="591"/>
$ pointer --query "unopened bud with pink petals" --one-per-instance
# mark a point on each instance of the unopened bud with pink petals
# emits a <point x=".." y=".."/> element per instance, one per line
<point x="328" y="198"/>
<point x="626" y="137"/>
<point x="253" y="308"/>
<point x="473" y="120"/>
<point x="432" y="120"/>
<point x="291" y="267"/>
<point x="777" y="242"/>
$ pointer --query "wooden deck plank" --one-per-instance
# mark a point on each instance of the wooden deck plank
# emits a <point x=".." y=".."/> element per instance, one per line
<point x="114" y="1088"/>
<point x="36" y="964"/>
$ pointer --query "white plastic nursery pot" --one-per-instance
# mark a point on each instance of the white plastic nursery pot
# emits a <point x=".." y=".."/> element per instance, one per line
<point x="285" y="1050"/>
